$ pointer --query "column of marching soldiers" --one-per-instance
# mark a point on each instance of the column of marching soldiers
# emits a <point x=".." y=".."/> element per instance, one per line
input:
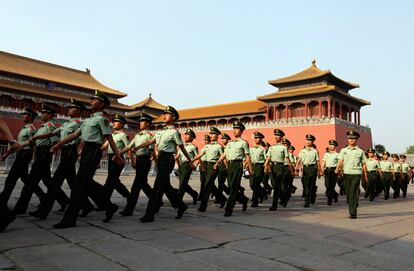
<point x="227" y="161"/>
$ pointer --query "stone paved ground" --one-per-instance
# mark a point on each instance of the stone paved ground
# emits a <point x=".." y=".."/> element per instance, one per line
<point x="294" y="238"/>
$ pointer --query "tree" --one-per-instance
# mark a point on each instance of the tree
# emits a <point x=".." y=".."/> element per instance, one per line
<point x="410" y="150"/>
<point x="379" y="148"/>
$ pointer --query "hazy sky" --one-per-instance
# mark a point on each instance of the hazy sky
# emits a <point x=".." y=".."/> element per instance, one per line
<point x="195" y="53"/>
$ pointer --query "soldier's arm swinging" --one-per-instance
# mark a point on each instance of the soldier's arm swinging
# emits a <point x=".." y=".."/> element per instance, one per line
<point x="67" y="139"/>
<point x="249" y="165"/>
<point x="184" y="151"/>
<point x="267" y="165"/>
<point x="222" y="157"/>
<point x="117" y="157"/>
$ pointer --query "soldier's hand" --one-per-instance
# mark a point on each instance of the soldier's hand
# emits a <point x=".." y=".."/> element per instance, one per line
<point x="54" y="148"/>
<point x="119" y="160"/>
<point x="193" y="167"/>
<point x="216" y="166"/>
<point x="133" y="163"/>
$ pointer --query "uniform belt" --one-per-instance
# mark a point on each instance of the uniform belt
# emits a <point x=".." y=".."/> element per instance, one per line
<point x="41" y="148"/>
<point x="372" y="171"/>
<point x="278" y="163"/>
<point x="313" y="165"/>
<point x="257" y="164"/>
<point x="64" y="147"/>
<point x="92" y="144"/>
<point x="143" y="156"/>
<point x="212" y="162"/>
<point x="330" y="168"/>
<point x="236" y="161"/>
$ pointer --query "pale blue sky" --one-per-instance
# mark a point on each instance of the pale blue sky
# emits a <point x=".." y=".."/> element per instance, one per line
<point x="195" y="53"/>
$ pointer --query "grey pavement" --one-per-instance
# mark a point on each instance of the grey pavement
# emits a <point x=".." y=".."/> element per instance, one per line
<point x="293" y="238"/>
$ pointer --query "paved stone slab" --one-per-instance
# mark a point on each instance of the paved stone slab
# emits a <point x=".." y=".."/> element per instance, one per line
<point x="83" y="233"/>
<point x="6" y="263"/>
<point x="27" y="237"/>
<point x="211" y="234"/>
<point x="66" y="257"/>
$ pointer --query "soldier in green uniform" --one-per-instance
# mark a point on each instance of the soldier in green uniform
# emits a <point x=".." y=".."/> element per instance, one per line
<point x="329" y="163"/>
<point x="141" y="161"/>
<point x="289" y="171"/>
<point x="373" y="168"/>
<point x="167" y="141"/>
<point x="276" y="157"/>
<point x="379" y="187"/>
<point x="387" y="170"/>
<point x="67" y="162"/>
<point x="93" y="132"/>
<point x="395" y="184"/>
<point x="41" y="165"/>
<point x="235" y="152"/>
<point x="293" y="159"/>
<point x="222" y="171"/>
<point x="212" y="153"/>
<point x="309" y="158"/>
<point x="184" y="167"/>
<point x="203" y="165"/>
<point x="405" y="179"/>
<point x="258" y="158"/>
<point x="20" y="166"/>
<point x="114" y="170"/>
<point x="267" y="174"/>
<point x="352" y="162"/>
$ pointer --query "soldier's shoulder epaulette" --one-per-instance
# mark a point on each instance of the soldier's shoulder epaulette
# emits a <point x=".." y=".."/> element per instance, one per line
<point x="50" y="124"/>
<point x="32" y="127"/>
<point x="77" y="121"/>
<point x="151" y="134"/>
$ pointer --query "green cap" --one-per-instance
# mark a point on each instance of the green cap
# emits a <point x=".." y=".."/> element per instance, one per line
<point x="171" y="110"/>
<point x="286" y="141"/>
<point x="258" y="135"/>
<point x="386" y="153"/>
<point x="291" y="148"/>
<point x="191" y="133"/>
<point x="30" y="112"/>
<point x="278" y="132"/>
<point x="214" y="131"/>
<point x="225" y="136"/>
<point x="207" y="137"/>
<point x="371" y="150"/>
<point x="333" y="142"/>
<point x="310" y="137"/>
<point x="239" y="125"/>
<point x="76" y="103"/>
<point x="47" y="109"/>
<point x="352" y="134"/>
<point x="145" y="117"/>
<point x="100" y="96"/>
<point x="119" y="118"/>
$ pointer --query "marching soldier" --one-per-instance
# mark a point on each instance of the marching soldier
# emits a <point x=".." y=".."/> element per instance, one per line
<point x="395" y="184"/>
<point x="267" y="174"/>
<point x="309" y="158"/>
<point x="329" y="163"/>
<point x="293" y="159"/>
<point x="387" y="170"/>
<point x="141" y="161"/>
<point x="67" y="162"/>
<point x="258" y="158"/>
<point x="405" y="178"/>
<point x="41" y="165"/>
<point x="352" y="162"/>
<point x="373" y="168"/>
<point x="222" y="172"/>
<point x="167" y="141"/>
<point x="20" y="166"/>
<point x="288" y="172"/>
<point x="184" y="167"/>
<point x="93" y="132"/>
<point x="276" y="157"/>
<point x="203" y="165"/>
<point x="114" y="170"/>
<point x="379" y="187"/>
<point x="212" y="153"/>
<point x="235" y="152"/>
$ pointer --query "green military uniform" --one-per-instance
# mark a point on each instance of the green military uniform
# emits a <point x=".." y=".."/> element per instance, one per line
<point x="142" y="168"/>
<point x="93" y="131"/>
<point x="387" y="169"/>
<point x="203" y="171"/>
<point x="309" y="158"/>
<point x="185" y="171"/>
<point x="114" y="170"/>
<point x="331" y="161"/>
<point x="167" y="141"/>
<point x="395" y="183"/>
<point x="353" y="161"/>
<point x="372" y="170"/>
<point x="277" y="154"/>
<point x="20" y="166"/>
<point x="405" y="168"/>
<point x="258" y="158"/>
<point x="236" y="150"/>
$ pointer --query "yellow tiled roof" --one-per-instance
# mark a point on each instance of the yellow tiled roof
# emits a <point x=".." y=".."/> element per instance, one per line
<point x="149" y="102"/>
<point x="51" y="72"/>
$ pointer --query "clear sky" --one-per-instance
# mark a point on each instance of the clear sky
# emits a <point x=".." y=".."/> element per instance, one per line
<point x="195" y="53"/>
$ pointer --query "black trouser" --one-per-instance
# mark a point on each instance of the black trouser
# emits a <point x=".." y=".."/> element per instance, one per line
<point x="286" y="188"/>
<point x="84" y="185"/>
<point x="142" y="168"/>
<point x="330" y="183"/>
<point x="235" y="173"/>
<point x="352" y="183"/>
<point x="256" y="181"/>
<point x="210" y="187"/>
<point x="405" y="179"/>
<point x="65" y="170"/>
<point x="379" y="184"/>
<point x="40" y="171"/>
<point x="165" y="165"/>
<point x="386" y="183"/>
<point x="341" y="184"/>
<point x="203" y="173"/>
<point x="395" y="184"/>
<point x="112" y="181"/>
<point x="222" y="176"/>
<point x="185" y="171"/>
<point x="309" y="180"/>
<point x="19" y="169"/>
<point x="372" y="184"/>
<point x="277" y="180"/>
